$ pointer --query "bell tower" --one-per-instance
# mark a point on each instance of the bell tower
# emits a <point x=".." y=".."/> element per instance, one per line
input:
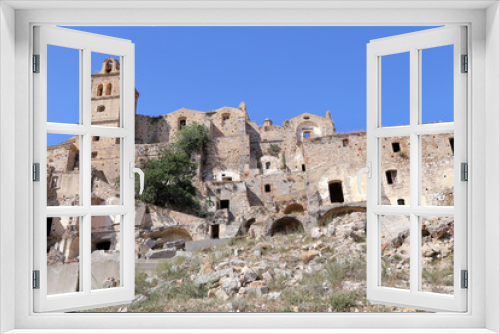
<point x="106" y="94"/>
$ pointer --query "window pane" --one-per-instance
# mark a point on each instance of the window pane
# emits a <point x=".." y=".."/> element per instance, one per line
<point x="395" y="90"/>
<point x="437" y="170"/>
<point x="63" y="250"/>
<point x="105" y="180"/>
<point x="395" y="171"/>
<point x="63" y="170"/>
<point x="105" y="105"/>
<point x="395" y="262"/>
<point x="437" y="254"/>
<point x="63" y="85"/>
<point x="437" y="84"/>
<point x="105" y="252"/>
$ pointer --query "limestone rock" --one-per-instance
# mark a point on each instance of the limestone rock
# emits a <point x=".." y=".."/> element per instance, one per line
<point x="309" y="255"/>
<point x="249" y="274"/>
<point x="213" y="277"/>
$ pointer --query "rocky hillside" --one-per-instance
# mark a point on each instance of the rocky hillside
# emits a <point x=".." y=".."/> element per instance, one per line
<point x="323" y="271"/>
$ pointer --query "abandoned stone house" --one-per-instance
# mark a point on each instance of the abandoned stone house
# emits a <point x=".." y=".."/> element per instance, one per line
<point x="258" y="179"/>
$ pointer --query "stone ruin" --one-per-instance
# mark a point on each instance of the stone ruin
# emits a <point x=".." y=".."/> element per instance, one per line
<point x="259" y="180"/>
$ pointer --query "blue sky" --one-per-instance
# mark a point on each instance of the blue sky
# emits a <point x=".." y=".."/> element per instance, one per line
<point x="280" y="72"/>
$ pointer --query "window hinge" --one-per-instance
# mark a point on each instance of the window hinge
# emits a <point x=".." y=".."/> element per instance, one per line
<point x="465" y="64"/>
<point x="465" y="279"/>
<point x="36" y="279"/>
<point x="36" y="172"/>
<point x="464" y="171"/>
<point x="36" y="63"/>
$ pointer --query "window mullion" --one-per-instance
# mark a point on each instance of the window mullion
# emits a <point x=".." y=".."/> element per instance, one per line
<point x="85" y="148"/>
<point x="414" y="169"/>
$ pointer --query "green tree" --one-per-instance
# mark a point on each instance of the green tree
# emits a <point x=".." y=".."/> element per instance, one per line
<point x="168" y="179"/>
<point x="192" y="138"/>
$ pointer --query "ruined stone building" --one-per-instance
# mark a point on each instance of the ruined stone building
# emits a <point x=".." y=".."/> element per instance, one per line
<point x="259" y="179"/>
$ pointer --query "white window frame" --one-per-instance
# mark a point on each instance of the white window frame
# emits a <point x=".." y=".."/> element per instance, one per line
<point x="414" y="43"/>
<point x="482" y="19"/>
<point x="85" y="43"/>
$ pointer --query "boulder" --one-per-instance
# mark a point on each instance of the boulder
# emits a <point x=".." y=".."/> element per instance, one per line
<point x="110" y="282"/>
<point x="315" y="233"/>
<point x="161" y="254"/>
<point x="212" y="277"/>
<point x="249" y="274"/>
<point x="230" y="285"/>
<point x="309" y="255"/>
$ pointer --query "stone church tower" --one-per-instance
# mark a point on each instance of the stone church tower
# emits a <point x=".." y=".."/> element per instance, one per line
<point x="105" y="111"/>
<point x="106" y="94"/>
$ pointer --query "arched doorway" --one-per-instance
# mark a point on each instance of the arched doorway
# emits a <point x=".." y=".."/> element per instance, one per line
<point x="172" y="237"/>
<point x="339" y="211"/>
<point x="286" y="225"/>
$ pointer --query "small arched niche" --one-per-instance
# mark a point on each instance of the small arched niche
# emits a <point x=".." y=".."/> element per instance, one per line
<point x="109" y="89"/>
<point x="100" y="89"/>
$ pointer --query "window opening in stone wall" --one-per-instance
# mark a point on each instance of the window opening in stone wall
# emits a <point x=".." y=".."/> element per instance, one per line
<point x="49" y="225"/>
<point x="267" y="188"/>
<point x="117" y="141"/>
<point x="401" y="201"/>
<point x="452" y="145"/>
<point x="307" y="134"/>
<point x="225" y="117"/>
<point x="182" y="123"/>
<point x="345" y="142"/>
<point x="53" y="181"/>
<point x="214" y="231"/>
<point x="396" y="147"/>
<point x="95" y="138"/>
<point x="268" y="165"/>
<point x="303" y="167"/>
<point x="109" y="89"/>
<point x="94" y="154"/>
<point x="103" y="245"/>
<point x="336" y="192"/>
<point x="100" y="88"/>
<point x="391" y="176"/>
<point x="100" y="108"/>
<point x="224" y="204"/>
<point x="76" y="164"/>
<point x="109" y="66"/>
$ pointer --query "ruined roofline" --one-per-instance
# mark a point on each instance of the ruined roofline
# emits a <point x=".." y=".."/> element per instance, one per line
<point x="226" y="108"/>
<point x="68" y="143"/>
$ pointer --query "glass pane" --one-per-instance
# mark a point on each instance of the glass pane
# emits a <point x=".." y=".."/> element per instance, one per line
<point x="63" y="85"/>
<point x="437" y="84"/>
<point x="63" y="250"/>
<point x="105" y="180"/>
<point x="395" y="89"/>
<point x="105" y="105"/>
<point x="63" y="170"/>
<point x="105" y="256"/>
<point x="437" y="170"/>
<point x="395" y="262"/>
<point x="395" y="171"/>
<point x="437" y="254"/>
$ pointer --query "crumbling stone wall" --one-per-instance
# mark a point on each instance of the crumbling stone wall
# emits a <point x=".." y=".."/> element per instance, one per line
<point x="313" y="175"/>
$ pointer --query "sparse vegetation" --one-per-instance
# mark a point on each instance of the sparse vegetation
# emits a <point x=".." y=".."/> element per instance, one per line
<point x="168" y="179"/>
<point x="274" y="150"/>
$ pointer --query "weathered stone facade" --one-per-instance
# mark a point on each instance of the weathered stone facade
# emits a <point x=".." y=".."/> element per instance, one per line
<point x="262" y="180"/>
